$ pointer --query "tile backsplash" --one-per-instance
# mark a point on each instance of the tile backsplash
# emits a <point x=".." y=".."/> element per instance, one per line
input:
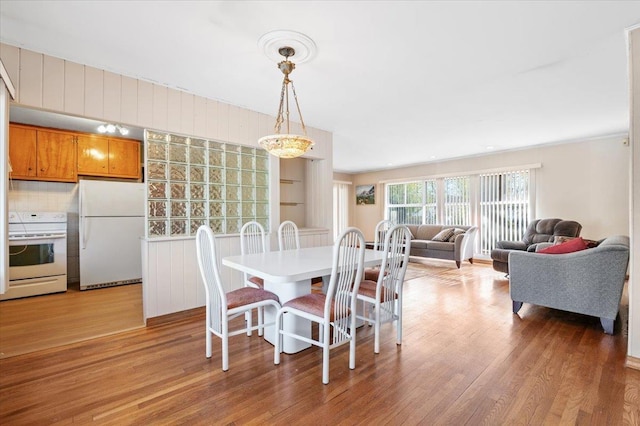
<point x="52" y="197"/>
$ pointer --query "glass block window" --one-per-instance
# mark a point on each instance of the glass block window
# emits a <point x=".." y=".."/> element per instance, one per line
<point x="191" y="182"/>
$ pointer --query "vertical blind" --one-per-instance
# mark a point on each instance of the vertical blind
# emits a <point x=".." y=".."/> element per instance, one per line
<point x="431" y="202"/>
<point x="456" y="205"/>
<point x="340" y="208"/>
<point x="504" y="207"/>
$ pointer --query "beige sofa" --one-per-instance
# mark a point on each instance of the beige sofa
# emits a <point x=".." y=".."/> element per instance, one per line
<point x="458" y="250"/>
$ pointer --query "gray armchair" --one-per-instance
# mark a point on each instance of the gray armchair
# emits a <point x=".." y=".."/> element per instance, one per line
<point x="587" y="282"/>
<point x="538" y="231"/>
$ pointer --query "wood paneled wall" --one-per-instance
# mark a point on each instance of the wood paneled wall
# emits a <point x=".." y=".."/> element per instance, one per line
<point x="170" y="274"/>
<point x="57" y="85"/>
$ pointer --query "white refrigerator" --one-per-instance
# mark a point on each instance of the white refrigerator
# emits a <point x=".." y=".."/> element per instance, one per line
<point x="111" y="223"/>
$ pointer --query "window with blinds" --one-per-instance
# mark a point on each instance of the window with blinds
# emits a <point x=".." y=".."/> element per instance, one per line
<point x="405" y="203"/>
<point x="456" y="204"/>
<point x="431" y="202"/>
<point x="340" y="208"/>
<point x="504" y="207"/>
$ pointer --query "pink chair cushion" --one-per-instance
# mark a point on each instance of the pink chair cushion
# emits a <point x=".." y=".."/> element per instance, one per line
<point x="257" y="281"/>
<point x="368" y="288"/>
<point x="372" y="274"/>
<point x="247" y="295"/>
<point x="312" y="303"/>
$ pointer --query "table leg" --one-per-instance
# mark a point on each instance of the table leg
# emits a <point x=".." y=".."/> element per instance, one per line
<point x="291" y="323"/>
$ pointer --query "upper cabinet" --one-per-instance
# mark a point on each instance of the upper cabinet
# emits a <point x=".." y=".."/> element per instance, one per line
<point x="22" y="151"/>
<point x="93" y="155"/>
<point x="39" y="154"/>
<point x="101" y="156"/>
<point x="57" y="155"/>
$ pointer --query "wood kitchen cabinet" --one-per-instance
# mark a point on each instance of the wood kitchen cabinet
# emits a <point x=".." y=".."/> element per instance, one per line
<point x="102" y="156"/>
<point x="22" y="151"/>
<point x="39" y="154"/>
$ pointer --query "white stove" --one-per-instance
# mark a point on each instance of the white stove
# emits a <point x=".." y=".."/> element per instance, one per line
<point x="37" y="254"/>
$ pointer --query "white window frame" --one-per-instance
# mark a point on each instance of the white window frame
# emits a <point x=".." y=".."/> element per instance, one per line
<point x="497" y="210"/>
<point x="474" y="212"/>
<point x="420" y="205"/>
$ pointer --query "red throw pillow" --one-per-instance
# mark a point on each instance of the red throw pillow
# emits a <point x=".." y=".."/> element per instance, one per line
<point x="570" y="246"/>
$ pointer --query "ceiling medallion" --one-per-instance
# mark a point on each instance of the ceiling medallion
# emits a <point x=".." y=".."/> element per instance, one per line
<point x="271" y="43"/>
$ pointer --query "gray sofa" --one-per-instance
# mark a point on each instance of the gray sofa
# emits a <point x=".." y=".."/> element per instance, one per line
<point x="587" y="282"/>
<point x="461" y="249"/>
<point x="538" y="232"/>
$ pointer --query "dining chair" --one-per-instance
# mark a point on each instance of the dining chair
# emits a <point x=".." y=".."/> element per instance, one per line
<point x="222" y="307"/>
<point x="252" y="240"/>
<point x="334" y="311"/>
<point x="383" y="298"/>
<point x="288" y="237"/>
<point x="381" y="230"/>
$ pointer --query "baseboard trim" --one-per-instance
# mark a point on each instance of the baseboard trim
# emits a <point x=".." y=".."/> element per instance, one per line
<point x="176" y="316"/>
<point x="633" y="362"/>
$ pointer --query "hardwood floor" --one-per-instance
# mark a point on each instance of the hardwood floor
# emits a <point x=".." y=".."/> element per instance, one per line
<point x="465" y="359"/>
<point x="41" y="322"/>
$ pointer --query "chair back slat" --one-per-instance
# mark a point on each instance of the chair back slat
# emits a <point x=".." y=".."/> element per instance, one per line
<point x="288" y="236"/>
<point x="210" y="273"/>
<point x="252" y="239"/>
<point x="380" y="233"/>
<point x="392" y="271"/>
<point x="346" y="274"/>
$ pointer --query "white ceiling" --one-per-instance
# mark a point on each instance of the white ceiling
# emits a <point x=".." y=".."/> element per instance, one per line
<point x="397" y="82"/>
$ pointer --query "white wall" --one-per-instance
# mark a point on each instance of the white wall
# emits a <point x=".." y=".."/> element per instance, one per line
<point x="7" y="92"/>
<point x="586" y="181"/>
<point x="634" y="281"/>
<point x="61" y="86"/>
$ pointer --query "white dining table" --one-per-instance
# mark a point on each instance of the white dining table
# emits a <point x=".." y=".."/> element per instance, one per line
<point x="288" y="274"/>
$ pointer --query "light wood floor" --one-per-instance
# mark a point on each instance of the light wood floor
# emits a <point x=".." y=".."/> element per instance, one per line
<point x="35" y="323"/>
<point x="465" y="359"/>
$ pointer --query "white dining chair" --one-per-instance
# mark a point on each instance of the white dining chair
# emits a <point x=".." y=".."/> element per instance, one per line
<point x="333" y="310"/>
<point x="222" y="307"/>
<point x="289" y="239"/>
<point x="383" y="298"/>
<point x="252" y="240"/>
<point x="381" y="230"/>
<point x="288" y="236"/>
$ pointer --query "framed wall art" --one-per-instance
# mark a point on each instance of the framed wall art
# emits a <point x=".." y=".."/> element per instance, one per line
<point x="365" y="194"/>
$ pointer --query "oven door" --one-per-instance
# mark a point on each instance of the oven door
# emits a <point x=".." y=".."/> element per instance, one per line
<point x="35" y="256"/>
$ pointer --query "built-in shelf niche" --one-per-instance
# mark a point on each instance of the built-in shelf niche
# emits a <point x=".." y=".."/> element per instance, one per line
<point x="292" y="193"/>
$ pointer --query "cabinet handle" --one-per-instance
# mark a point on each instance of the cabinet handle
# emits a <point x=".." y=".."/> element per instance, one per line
<point x="42" y="170"/>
